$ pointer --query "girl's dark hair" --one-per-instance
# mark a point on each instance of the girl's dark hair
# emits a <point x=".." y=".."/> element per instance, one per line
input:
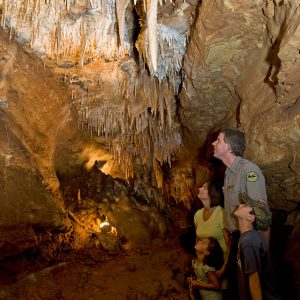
<point x="215" y="258"/>
<point x="215" y="193"/>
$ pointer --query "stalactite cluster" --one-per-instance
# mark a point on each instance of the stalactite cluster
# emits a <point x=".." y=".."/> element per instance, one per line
<point x="64" y="29"/>
<point x="81" y="31"/>
<point x="171" y="46"/>
<point x="150" y="134"/>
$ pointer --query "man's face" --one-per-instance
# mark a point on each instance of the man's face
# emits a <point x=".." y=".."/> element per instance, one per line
<point x="220" y="147"/>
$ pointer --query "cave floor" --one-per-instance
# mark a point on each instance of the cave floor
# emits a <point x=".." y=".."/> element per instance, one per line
<point x="155" y="271"/>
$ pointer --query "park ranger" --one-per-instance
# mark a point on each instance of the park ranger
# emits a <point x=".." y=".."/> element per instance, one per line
<point x="241" y="176"/>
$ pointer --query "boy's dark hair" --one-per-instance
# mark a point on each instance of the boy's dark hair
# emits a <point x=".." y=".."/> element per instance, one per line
<point x="215" y="258"/>
<point x="236" y="139"/>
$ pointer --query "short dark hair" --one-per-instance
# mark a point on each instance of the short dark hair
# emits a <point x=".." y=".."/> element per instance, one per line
<point x="252" y="212"/>
<point x="215" y="258"/>
<point x="215" y="193"/>
<point x="236" y="139"/>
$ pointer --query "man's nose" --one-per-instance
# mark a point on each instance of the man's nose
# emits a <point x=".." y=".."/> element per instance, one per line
<point x="213" y="143"/>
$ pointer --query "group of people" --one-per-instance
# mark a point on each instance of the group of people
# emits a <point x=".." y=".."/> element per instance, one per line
<point x="232" y="242"/>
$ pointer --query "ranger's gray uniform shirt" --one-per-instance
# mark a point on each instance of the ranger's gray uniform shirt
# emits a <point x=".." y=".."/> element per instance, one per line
<point x="243" y="176"/>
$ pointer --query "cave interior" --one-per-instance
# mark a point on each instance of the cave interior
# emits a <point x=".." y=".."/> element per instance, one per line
<point x="108" y="111"/>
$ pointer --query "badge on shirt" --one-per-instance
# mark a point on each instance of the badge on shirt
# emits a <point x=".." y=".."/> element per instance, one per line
<point x="252" y="176"/>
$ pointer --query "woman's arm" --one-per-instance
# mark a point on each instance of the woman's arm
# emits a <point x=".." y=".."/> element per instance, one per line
<point x="221" y="272"/>
<point x="228" y="244"/>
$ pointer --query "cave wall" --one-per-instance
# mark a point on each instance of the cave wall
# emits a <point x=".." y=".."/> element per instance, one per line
<point x="29" y="186"/>
<point x="243" y="70"/>
<point x="238" y="65"/>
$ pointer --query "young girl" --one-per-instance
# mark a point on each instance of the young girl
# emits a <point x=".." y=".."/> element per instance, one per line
<point x="209" y="259"/>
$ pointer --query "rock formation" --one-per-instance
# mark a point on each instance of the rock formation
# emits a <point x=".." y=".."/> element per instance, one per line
<point x="130" y="93"/>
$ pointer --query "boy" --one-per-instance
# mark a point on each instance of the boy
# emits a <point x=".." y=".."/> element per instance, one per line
<point x="255" y="274"/>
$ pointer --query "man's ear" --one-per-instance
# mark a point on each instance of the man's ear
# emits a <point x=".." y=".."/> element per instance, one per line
<point x="229" y="148"/>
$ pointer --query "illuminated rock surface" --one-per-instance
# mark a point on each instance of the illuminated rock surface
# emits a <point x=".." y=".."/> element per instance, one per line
<point x="105" y="118"/>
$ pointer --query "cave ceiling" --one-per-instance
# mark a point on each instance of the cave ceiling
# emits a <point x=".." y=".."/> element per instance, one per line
<point x="144" y="82"/>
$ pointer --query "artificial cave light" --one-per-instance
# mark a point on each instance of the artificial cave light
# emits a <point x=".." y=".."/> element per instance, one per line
<point x="106" y="227"/>
<point x="103" y="224"/>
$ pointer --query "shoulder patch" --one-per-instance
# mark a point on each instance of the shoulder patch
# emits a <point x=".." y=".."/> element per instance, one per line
<point x="252" y="176"/>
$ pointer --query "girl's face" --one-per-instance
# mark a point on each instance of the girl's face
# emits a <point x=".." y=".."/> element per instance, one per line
<point x="202" y="246"/>
<point x="203" y="193"/>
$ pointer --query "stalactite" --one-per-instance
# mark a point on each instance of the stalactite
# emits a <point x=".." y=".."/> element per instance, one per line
<point x="161" y="110"/>
<point x="155" y="96"/>
<point x="168" y="104"/>
<point x="121" y="6"/>
<point x="83" y="44"/>
<point x="169" y="66"/>
<point x="152" y="31"/>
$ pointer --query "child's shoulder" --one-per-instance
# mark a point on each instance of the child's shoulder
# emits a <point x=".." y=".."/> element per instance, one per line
<point x="250" y="237"/>
<point x="196" y="262"/>
<point x="207" y="268"/>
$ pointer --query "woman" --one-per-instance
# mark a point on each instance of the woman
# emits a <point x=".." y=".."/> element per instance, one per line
<point x="209" y="220"/>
